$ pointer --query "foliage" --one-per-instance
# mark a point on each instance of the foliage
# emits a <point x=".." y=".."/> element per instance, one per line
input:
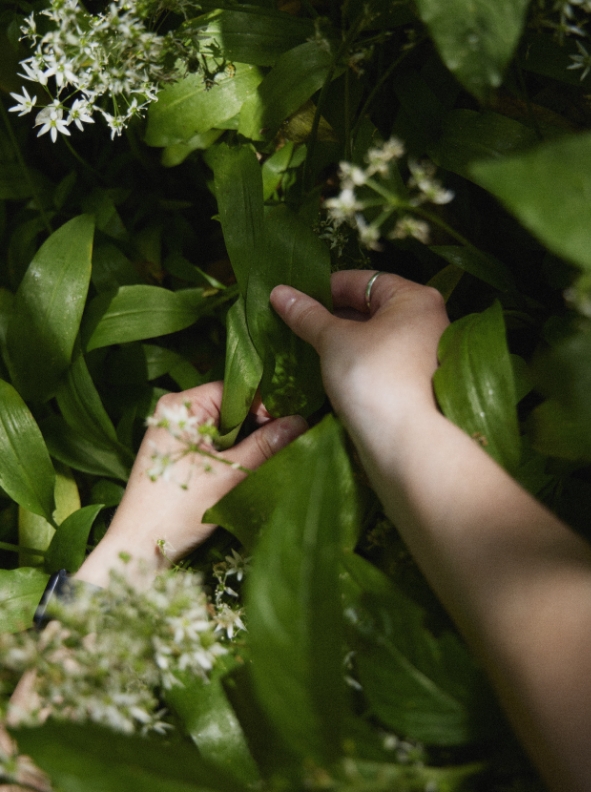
<point x="442" y="140"/>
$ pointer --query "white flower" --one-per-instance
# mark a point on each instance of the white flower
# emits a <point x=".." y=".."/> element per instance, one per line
<point x="50" y="119"/>
<point x="344" y="206"/>
<point x="581" y="61"/>
<point x="368" y="234"/>
<point x="410" y="226"/>
<point x="379" y="158"/>
<point x="81" y="113"/>
<point x="25" y="102"/>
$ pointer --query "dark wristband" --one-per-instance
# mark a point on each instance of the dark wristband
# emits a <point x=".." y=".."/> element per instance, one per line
<point x="59" y="587"/>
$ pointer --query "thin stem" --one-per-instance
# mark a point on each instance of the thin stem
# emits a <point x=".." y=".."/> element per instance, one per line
<point x="433" y="218"/>
<point x="345" y="44"/>
<point x="377" y="87"/>
<point x="13" y="548"/>
<point x="26" y="172"/>
<point x="81" y="159"/>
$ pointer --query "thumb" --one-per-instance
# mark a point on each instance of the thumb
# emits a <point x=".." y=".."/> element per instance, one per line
<point x="303" y="314"/>
<point x="267" y="441"/>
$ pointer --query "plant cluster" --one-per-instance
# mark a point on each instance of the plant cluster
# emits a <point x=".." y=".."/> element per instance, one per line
<point x="245" y="146"/>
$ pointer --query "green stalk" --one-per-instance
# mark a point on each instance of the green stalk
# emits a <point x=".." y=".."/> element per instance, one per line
<point x="12" y="548"/>
<point x="26" y="172"/>
<point x="346" y="43"/>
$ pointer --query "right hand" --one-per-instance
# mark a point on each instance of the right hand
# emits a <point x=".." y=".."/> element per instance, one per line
<point x="370" y="360"/>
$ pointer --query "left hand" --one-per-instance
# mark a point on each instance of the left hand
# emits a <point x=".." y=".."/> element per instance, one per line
<point x="152" y="511"/>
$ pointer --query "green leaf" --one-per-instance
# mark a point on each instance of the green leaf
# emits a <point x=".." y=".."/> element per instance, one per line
<point x="26" y="472"/>
<point x="88" y="758"/>
<point x="273" y="756"/>
<point x="562" y="424"/>
<point x="468" y="136"/>
<point x="210" y="720"/>
<point x="188" y="107"/>
<point x="474" y="384"/>
<point x="247" y="508"/>
<point x="424" y="688"/>
<point x="48" y="308"/>
<point x="242" y="373"/>
<point x="68" y="546"/>
<point x="239" y="193"/>
<point x="534" y="184"/>
<point x="296" y="77"/>
<point x="20" y="592"/>
<point x="138" y="312"/>
<point x="253" y="34"/>
<point x="291" y="368"/>
<point x="482" y="265"/>
<point x="35" y="531"/>
<point x="475" y="38"/>
<point x="80" y="452"/>
<point x="294" y="610"/>
<point x="390" y="777"/>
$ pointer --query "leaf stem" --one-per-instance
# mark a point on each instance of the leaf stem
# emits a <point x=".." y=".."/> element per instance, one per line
<point x="13" y="548"/>
<point x="25" y="169"/>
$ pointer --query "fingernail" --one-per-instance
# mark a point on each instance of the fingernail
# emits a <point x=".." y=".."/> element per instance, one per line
<point x="282" y="297"/>
<point x="285" y="430"/>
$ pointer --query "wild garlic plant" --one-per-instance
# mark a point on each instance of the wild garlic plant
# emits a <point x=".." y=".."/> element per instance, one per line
<point x="396" y="209"/>
<point x="108" y="653"/>
<point x="110" y="64"/>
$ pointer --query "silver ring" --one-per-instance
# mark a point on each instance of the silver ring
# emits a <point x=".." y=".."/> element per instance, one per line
<point x="369" y="287"/>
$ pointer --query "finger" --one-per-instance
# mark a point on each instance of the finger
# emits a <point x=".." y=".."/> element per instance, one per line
<point x="349" y="289"/>
<point x="267" y="441"/>
<point x="305" y="316"/>
<point x="204" y="401"/>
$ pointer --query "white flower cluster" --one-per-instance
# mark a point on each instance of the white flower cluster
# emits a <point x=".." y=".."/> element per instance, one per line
<point x="229" y="618"/>
<point x="379" y="193"/>
<point x="193" y="437"/>
<point x="108" y="653"/>
<point x="93" y="60"/>
<point x="567" y="19"/>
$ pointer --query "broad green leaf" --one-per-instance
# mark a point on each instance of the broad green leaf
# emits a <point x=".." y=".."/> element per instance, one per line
<point x="20" y="592"/>
<point x="88" y="758"/>
<point x="547" y="189"/>
<point x="446" y="280"/>
<point x="246" y="509"/>
<point x="252" y="34"/>
<point x="294" y="79"/>
<point x="83" y="411"/>
<point x="562" y="424"/>
<point x="35" y="531"/>
<point x="468" y="136"/>
<point x="475" y="38"/>
<point x="138" y="312"/>
<point x="210" y="720"/>
<point x="294" y="609"/>
<point x="423" y="687"/>
<point x="291" y="368"/>
<point x="242" y="374"/>
<point x="274" y="168"/>
<point x="81" y="453"/>
<point x="178" y="152"/>
<point x="482" y="265"/>
<point x="107" y="492"/>
<point x="474" y="383"/>
<point x="48" y="308"/>
<point x="189" y="107"/>
<point x="111" y="269"/>
<point x="26" y="472"/>
<point x="273" y="756"/>
<point x="239" y="193"/>
<point x="68" y="547"/>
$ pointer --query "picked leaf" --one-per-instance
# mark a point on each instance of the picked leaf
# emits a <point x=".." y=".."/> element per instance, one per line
<point x="68" y="546"/>
<point x="20" y="592"/>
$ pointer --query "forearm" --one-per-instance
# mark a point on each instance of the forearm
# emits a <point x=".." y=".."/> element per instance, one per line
<point x="514" y="578"/>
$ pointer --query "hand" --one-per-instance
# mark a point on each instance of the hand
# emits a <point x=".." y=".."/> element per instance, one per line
<point x="373" y="359"/>
<point x="162" y="510"/>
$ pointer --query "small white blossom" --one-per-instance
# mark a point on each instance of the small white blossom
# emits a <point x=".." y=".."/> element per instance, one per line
<point x="581" y="61"/>
<point x="25" y="102"/>
<point x="369" y="235"/>
<point x="411" y="226"/>
<point x="51" y="120"/>
<point x="344" y="206"/>
<point x="379" y="158"/>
